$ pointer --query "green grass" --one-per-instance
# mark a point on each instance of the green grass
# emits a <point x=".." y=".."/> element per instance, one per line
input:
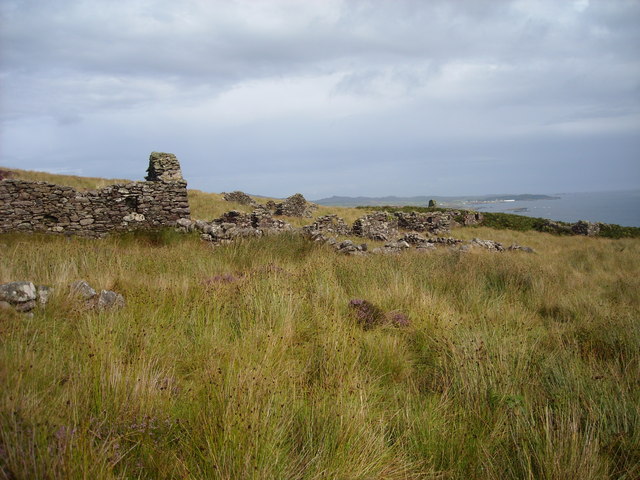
<point x="515" y="365"/>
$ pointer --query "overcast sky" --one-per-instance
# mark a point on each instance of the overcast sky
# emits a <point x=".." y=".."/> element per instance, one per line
<point x="328" y="97"/>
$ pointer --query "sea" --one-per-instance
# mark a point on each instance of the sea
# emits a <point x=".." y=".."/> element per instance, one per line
<point x="621" y="207"/>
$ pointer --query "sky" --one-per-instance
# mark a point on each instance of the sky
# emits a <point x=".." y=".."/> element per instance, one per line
<point x="327" y="97"/>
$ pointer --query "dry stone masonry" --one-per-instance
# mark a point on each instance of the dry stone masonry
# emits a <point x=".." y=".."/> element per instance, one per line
<point x="295" y="206"/>
<point x="376" y="226"/>
<point x="235" y="224"/>
<point x="331" y="224"/>
<point x="44" y="207"/>
<point x="239" y="197"/>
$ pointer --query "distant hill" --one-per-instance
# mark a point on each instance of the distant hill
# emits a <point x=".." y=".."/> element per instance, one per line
<point x="424" y="200"/>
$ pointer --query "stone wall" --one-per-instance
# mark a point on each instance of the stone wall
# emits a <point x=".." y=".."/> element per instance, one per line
<point x="44" y="207"/>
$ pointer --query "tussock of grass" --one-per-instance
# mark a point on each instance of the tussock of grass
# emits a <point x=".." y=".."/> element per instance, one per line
<point x="244" y="361"/>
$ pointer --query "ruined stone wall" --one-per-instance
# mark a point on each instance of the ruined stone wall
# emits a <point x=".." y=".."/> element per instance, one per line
<point x="44" y="207"/>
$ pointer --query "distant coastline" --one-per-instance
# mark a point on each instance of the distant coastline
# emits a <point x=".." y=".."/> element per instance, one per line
<point x="422" y="200"/>
<point x="617" y="207"/>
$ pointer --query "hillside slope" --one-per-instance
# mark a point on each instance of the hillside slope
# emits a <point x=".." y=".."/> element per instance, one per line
<point x="246" y="360"/>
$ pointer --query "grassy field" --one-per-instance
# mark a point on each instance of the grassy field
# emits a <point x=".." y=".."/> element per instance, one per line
<point x="245" y="362"/>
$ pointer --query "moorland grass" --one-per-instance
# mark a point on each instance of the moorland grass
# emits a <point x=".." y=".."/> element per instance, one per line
<point x="243" y="361"/>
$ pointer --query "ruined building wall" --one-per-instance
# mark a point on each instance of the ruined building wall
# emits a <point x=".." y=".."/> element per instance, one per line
<point x="45" y="207"/>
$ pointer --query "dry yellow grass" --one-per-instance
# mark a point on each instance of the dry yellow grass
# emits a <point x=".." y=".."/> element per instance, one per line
<point x="515" y="365"/>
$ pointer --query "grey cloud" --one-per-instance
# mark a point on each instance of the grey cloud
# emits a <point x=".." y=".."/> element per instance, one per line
<point x="418" y="85"/>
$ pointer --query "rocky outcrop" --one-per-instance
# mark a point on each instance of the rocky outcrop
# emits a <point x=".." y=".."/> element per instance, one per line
<point x="44" y="207"/>
<point x="295" y="206"/>
<point x="239" y="197"/>
<point x="376" y="226"/>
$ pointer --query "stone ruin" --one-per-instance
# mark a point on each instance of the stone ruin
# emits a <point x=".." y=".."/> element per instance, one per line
<point x="376" y="226"/>
<point x="159" y="201"/>
<point x="235" y="224"/>
<point x="164" y="167"/>
<point x="432" y="222"/>
<point x="580" y="227"/>
<point x="295" y="206"/>
<point x="239" y="197"/>
<point x="331" y="224"/>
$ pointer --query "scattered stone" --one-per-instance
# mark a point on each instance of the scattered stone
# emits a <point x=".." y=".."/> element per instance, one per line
<point x="448" y="241"/>
<point x="239" y="197"/>
<point x="349" y="248"/>
<point x="488" y="245"/>
<point x="82" y="289"/>
<point x="109" y="300"/>
<point x="186" y="224"/>
<point x="25" y="306"/>
<point x="43" y="293"/>
<point x="515" y="246"/>
<point x="18" y="292"/>
<point x="376" y="226"/>
<point x="5" y="305"/>
<point x="23" y="296"/>
<point x="425" y="247"/>
<point x="413" y="239"/>
<point x="234" y="224"/>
